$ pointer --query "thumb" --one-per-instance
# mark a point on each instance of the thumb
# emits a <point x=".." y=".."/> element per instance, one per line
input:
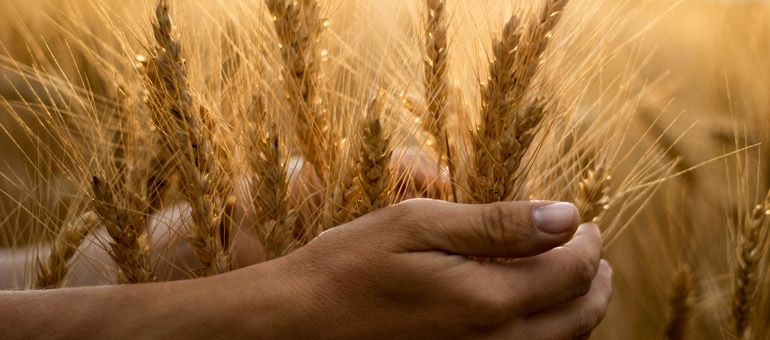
<point x="504" y="229"/>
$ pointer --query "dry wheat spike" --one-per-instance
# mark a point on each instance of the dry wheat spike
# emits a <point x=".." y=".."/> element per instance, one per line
<point x="68" y="240"/>
<point x="747" y="272"/>
<point x="188" y="132"/>
<point x="125" y="226"/>
<point x="374" y="171"/>
<point x="593" y="194"/>
<point x="509" y="121"/>
<point x="436" y="78"/>
<point x="681" y="302"/>
<point x="274" y="218"/>
<point x="299" y="25"/>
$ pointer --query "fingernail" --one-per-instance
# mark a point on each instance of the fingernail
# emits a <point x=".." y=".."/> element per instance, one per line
<point x="555" y="218"/>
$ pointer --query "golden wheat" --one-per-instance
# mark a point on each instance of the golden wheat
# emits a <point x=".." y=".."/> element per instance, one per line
<point x="681" y="304"/>
<point x="374" y="171"/>
<point x="747" y="272"/>
<point x="436" y="78"/>
<point x="274" y="218"/>
<point x="299" y="25"/>
<point x="188" y="131"/>
<point x="53" y="273"/>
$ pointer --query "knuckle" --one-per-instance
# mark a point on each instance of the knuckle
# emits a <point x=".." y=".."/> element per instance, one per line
<point x="586" y="320"/>
<point x="490" y="312"/>
<point x="406" y="209"/>
<point x="583" y="270"/>
<point x="495" y="224"/>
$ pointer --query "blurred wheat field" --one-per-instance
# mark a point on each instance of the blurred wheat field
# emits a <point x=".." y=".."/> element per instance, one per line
<point x="118" y="119"/>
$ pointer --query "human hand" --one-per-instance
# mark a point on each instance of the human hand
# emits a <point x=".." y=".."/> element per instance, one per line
<point x="399" y="273"/>
<point x="404" y="272"/>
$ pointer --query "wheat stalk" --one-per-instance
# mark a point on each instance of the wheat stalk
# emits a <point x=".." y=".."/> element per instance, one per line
<point x="747" y="272"/>
<point x="274" y="218"/>
<point x="374" y="172"/>
<point x="125" y="226"/>
<point x="340" y="204"/>
<point x="529" y="55"/>
<point x="189" y="137"/>
<point x="68" y="240"/>
<point x="299" y="25"/>
<point x="681" y="302"/>
<point x="593" y="194"/>
<point x="508" y="124"/>
<point x="121" y="203"/>
<point x="436" y="78"/>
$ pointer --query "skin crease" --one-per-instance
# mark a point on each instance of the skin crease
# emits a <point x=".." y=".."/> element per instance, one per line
<point x="399" y="273"/>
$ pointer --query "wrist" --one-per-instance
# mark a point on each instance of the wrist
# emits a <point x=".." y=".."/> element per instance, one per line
<point x="264" y="301"/>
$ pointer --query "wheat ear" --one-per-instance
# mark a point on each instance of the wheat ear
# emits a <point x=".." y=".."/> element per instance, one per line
<point x="121" y="203"/>
<point x="593" y="194"/>
<point x="747" y="271"/>
<point x="681" y="302"/>
<point x="68" y="240"/>
<point x="299" y="25"/>
<point x="125" y="226"/>
<point x="529" y="55"/>
<point x="274" y="219"/>
<point x="189" y="137"/>
<point x="436" y="78"/>
<point x="374" y="172"/>
<point x="342" y="199"/>
<point x="509" y="122"/>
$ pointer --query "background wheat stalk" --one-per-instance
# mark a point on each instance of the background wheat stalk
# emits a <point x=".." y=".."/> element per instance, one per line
<point x="188" y="131"/>
<point x="274" y="218"/>
<point x="126" y="227"/>
<point x="299" y="26"/>
<point x="436" y="77"/>
<point x="53" y="273"/>
<point x="747" y="272"/>
<point x="681" y="304"/>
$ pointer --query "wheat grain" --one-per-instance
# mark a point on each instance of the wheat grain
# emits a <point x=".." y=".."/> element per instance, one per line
<point x="121" y="203"/>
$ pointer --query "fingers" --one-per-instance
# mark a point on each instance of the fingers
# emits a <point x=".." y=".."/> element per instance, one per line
<point x="558" y="276"/>
<point x="506" y="229"/>
<point x="576" y="319"/>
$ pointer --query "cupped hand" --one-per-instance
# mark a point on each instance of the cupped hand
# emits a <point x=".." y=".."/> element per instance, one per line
<point x="408" y="272"/>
